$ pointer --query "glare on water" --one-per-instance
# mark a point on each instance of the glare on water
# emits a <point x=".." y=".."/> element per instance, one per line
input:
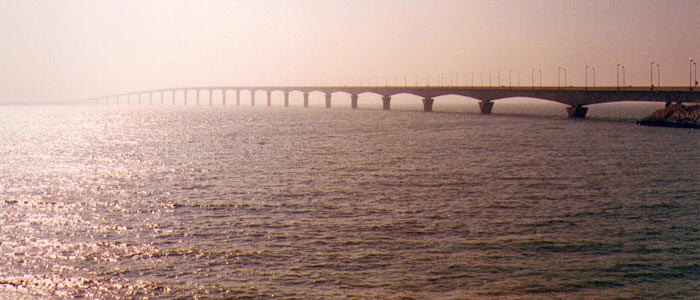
<point x="124" y="202"/>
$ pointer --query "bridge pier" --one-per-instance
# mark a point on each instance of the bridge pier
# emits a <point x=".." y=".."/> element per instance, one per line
<point x="428" y="104"/>
<point x="223" y="97"/>
<point x="139" y="99"/>
<point x="386" y="102"/>
<point x="328" y="100"/>
<point x="269" y="100"/>
<point x="238" y="97"/>
<point x="286" y="98"/>
<point x="150" y="98"/>
<point x="486" y="107"/>
<point x="353" y="101"/>
<point x="211" y="98"/>
<point x="252" y="98"/>
<point x="306" y="99"/>
<point x="198" y="97"/>
<point x="577" y="111"/>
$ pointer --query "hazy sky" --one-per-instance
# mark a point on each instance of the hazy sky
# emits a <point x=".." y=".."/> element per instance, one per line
<point x="55" y="50"/>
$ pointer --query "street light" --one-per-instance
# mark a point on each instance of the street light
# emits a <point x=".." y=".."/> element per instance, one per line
<point x="658" y="75"/>
<point x="617" y="71"/>
<point x="564" y="77"/>
<point x="533" y="79"/>
<point x="623" y="75"/>
<point x="691" y="73"/>
<point x="696" y="73"/>
<point x="586" y="77"/>
<point x="559" y="77"/>
<point x="651" y="77"/>
<point x="593" y="76"/>
<point x="541" y="77"/>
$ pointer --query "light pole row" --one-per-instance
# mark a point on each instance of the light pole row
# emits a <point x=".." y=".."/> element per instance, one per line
<point x="692" y="68"/>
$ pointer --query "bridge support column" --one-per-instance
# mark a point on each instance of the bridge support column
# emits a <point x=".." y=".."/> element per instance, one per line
<point x="139" y="99"/>
<point x="486" y="107"/>
<point x="306" y="99"/>
<point x="353" y="101"/>
<point x="286" y="99"/>
<point x="211" y="98"/>
<point x="269" y="100"/>
<point x="162" y="98"/>
<point x="150" y="98"/>
<point x="328" y="100"/>
<point x="252" y="98"/>
<point x="173" y="95"/>
<point x="238" y="97"/>
<point x="223" y="97"/>
<point x="386" y="102"/>
<point x="577" y="111"/>
<point x="428" y="104"/>
<point x="197" y="97"/>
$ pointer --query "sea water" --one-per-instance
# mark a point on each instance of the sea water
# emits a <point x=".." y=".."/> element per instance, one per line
<point x="291" y="203"/>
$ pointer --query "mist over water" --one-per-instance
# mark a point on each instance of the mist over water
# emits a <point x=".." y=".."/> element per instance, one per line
<point x="289" y="203"/>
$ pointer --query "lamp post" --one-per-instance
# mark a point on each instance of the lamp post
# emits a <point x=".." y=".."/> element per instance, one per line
<point x="540" y="78"/>
<point x="559" y="77"/>
<point x="623" y="75"/>
<point x="593" y="76"/>
<point x="695" y="64"/>
<point x="651" y="75"/>
<point x="533" y="79"/>
<point x="691" y="73"/>
<point x="617" y="71"/>
<point x="658" y="75"/>
<point x="564" y="77"/>
<point x="586" y="82"/>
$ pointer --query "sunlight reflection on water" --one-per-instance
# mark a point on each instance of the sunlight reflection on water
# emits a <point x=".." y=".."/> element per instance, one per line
<point x="313" y="203"/>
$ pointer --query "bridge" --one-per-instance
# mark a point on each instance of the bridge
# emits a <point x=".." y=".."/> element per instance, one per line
<point x="577" y="99"/>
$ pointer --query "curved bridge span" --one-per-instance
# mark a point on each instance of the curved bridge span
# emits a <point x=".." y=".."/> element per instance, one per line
<point x="575" y="98"/>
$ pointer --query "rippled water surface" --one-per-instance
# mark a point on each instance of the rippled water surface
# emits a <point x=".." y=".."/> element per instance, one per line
<point x="241" y="202"/>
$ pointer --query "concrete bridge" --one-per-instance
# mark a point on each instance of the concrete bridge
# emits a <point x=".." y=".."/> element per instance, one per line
<point x="575" y="98"/>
